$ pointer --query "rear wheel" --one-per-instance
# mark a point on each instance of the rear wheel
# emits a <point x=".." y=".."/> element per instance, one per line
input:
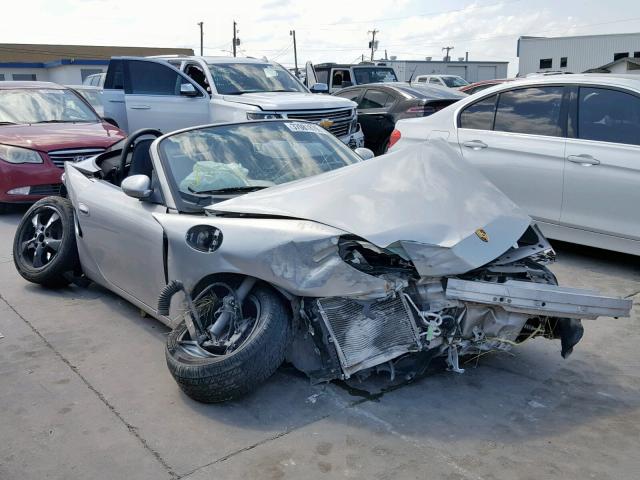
<point x="44" y="246"/>
<point x="247" y="353"/>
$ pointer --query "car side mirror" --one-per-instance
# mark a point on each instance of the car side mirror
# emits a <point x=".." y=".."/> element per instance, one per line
<point x="137" y="186"/>
<point x="188" y="90"/>
<point x="364" y="153"/>
<point x="346" y="83"/>
<point x="319" y="88"/>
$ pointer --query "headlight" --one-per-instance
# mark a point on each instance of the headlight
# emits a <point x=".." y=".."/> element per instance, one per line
<point x="19" y="155"/>
<point x="204" y="238"/>
<point x="262" y="116"/>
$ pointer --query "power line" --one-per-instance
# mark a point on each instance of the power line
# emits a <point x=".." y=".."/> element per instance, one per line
<point x="427" y="14"/>
<point x="474" y="39"/>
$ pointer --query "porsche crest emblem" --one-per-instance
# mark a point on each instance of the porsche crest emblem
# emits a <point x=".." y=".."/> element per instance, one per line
<point x="325" y="123"/>
<point x="482" y="235"/>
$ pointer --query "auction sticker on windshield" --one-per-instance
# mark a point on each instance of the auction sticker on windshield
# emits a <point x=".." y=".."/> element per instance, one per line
<point x="270" y="72"/>
<point x="305" y="127"/>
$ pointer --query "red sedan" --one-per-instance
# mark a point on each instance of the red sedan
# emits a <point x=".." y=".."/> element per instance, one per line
<point x="43" y="125"/>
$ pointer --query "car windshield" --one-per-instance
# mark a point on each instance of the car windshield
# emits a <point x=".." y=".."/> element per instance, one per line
<point x="31" y="105"/>
<point x="374" y="75"/>
<point x="244" y="157"/>
<point x="240" y="78"/>
<point x="94" y="97"/>
<point x="454" y="81"/>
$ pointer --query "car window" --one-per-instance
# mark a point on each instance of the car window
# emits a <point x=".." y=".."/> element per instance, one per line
<point x="322" y="76"/>
<point x="339" y="76"/>
<point x="454" y="81"/>
<point x="374" y="75"/>
<point x="533" y="110"/>
<point x="196" y="73"/>
<point x="479" y="115"/>
<point x="249" y="155"/>
<point x="434" y="80"/>
<point x="375" y="99"/>
<point x="350" y="95"/>
<point x="151" y="78"/>
<point x="43" y="105"/>
<point x="608" y="116"/>
<point x="242" y="78"/>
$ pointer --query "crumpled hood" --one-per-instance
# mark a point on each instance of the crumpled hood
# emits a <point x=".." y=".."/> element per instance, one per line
<point x="424" y="202"/>
<point x="290" y="101"/>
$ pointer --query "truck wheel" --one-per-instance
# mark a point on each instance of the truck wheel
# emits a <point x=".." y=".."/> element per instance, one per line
<point x="44" y="246"/>
<point x="213" y="375"/>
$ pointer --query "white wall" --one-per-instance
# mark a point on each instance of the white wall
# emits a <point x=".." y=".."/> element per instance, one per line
<point x="41" y="73"/>
<point x="470" y="71"/>
<point x="63" y="74"/>
<point x="582" y="53"/>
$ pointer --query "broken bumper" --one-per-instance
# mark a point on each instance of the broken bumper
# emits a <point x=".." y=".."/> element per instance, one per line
<point x="539" y="299"/>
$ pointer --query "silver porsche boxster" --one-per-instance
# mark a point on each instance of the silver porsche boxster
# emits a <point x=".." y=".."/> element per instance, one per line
<point x="268" y="241"/>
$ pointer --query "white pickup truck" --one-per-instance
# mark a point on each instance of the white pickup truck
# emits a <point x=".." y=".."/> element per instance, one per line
<point x="170" y="93"/>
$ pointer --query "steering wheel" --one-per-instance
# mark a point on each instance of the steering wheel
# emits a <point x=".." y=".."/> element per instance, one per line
<point x="128" y="146"/>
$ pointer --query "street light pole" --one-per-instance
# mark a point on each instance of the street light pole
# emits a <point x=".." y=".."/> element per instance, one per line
<point x="295" y="51"/>
<point x="200" y="24"/>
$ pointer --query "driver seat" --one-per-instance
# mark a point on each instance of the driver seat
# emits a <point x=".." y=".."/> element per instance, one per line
<point x="141" y="158"/>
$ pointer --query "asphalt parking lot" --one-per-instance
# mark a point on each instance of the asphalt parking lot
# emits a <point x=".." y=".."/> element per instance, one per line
<point x="85" y="393"/>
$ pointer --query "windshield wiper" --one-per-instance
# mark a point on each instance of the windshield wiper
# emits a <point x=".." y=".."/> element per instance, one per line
<point x="8" y="123"/>
<point x="243" y="189"/>
<point x="63" y="121"/>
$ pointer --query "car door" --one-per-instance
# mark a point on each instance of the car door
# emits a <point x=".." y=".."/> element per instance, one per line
<point x="159" y="96"/>
<point x="602" y="176"/>
<point x="517" y="140"/>
<point x="119" y="241"/>
<point x="374" y="117"/>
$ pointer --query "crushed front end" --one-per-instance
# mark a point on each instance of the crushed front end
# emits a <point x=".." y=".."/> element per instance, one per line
<point x="512" y="299"/>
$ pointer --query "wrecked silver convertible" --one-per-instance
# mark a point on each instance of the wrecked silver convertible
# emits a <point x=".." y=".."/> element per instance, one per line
<point x="270" y="241"/>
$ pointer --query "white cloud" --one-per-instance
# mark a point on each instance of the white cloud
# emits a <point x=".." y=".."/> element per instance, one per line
<point x="408" y="28"/>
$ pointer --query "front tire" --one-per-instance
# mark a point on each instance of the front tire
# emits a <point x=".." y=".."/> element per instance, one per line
<point x="218" y="378"/>
<point x="44" y="246"/>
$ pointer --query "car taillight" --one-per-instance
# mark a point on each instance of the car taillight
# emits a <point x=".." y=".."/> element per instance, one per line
<point x="416" y="110"/>
<point x="395" y="136"/>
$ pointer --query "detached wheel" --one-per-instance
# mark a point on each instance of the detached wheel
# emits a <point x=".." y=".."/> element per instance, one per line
<point x="44" y="246"/>
<point x="248" y="352"/>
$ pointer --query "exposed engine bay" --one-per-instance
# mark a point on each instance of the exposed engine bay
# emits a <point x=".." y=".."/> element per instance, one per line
<point x="492" y="308"/>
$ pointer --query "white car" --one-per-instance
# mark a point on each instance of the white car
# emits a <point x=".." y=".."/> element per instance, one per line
<point x="447" y="81"/>
<point x="93" y="95"/>
<point x="95" y="80"/>
<point x="170" y="93"/>
<point x="566" y="148"/>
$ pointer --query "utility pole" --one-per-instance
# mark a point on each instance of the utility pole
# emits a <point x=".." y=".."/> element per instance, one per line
<point x="295" y="51"/>
<point x="235" y="38"/>
<point x="373" y="45"/>
<point x="201" y="39"/>
<point x="448" y="49"/>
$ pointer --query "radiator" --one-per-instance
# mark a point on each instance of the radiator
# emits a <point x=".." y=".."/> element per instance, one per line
<point x="365" y="337"/>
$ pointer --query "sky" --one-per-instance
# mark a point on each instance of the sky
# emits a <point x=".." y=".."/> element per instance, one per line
<point x="408" y="29"/>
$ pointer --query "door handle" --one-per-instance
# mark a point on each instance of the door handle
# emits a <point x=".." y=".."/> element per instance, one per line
<point x="83" y="209"/>
<point x="140" y="107"/>
<point x="583" y="159"/>
<point x="475" y="144"/>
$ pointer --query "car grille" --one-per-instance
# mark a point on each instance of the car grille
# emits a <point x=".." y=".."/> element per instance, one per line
<point x="341" y="119"/>
<point x="59" y="157"/>
<point x="365" y="337"/>
<point x="45" y="189"/>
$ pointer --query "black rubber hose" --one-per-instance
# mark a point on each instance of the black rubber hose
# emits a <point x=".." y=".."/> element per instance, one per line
<point x="164" y="300"/>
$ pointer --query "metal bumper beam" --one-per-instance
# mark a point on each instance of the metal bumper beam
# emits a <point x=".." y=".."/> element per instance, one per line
<point x="539" y="299"/>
